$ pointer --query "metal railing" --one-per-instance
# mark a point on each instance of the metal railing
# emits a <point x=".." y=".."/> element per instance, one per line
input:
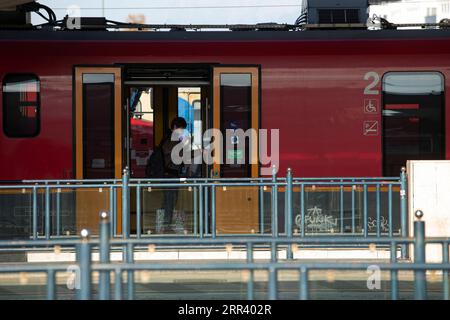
<point x="106" y="244"/>
<point x="350" y="195"/>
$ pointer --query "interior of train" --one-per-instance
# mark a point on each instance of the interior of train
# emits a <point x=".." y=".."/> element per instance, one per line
<point x="155" y="97"/>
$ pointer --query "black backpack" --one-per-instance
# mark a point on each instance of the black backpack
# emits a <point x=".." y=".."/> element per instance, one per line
<point x="155" y="164"/>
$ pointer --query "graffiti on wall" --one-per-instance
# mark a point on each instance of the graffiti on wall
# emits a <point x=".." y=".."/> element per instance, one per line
<point x="316" y="220"/>
<point x="372" y="224"/>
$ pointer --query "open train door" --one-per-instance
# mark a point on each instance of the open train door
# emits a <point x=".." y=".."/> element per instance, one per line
<point x="236" y="110"/>
<point x="98" y="140"/>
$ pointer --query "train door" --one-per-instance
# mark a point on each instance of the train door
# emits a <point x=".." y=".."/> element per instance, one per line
<point x="235" y="107"/>
<point x="152" y="105"/>
<point x="98" y="139"/>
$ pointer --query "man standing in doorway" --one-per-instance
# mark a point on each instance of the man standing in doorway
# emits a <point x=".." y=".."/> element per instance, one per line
<point x="171" y="170"/>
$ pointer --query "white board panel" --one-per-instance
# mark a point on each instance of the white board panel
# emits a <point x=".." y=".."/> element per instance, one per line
<point x="429" y="191"/>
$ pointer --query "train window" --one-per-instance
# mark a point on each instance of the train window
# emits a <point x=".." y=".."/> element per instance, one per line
<point x="413" y="119"/>
<point x="236" y="108"/>
<point x="98" y="126"/>
<point x="21" y="103"/>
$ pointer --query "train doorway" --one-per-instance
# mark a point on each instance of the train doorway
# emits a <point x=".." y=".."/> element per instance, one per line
<point x="150" y="110"/>
<point x="155" y="95"/>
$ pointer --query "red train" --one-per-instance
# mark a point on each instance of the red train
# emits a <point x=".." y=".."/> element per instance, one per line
<point x="346" y="102"/>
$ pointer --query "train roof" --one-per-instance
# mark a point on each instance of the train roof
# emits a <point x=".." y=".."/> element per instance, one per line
<point x="87" y="35"/>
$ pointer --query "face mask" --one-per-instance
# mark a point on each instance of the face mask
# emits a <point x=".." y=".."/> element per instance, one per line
<point x="181" y="134"/>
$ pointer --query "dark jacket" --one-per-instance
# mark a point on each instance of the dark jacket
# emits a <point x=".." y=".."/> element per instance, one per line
<point x="171" y="170"/>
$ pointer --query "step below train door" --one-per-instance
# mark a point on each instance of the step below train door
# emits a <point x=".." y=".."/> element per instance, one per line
<point x="98" y="140"/>
<point x="235" y="112"/>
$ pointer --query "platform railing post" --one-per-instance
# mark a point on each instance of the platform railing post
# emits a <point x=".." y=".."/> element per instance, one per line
<point x="51" y="284"/>
<point x="195" y="217"/>
<point x="403" y="211"/>
<point x="341" y="208"/>
<point x="206" y="211"/>
<point x="250" y="281"/>
<point x="138" y="210"/>
<point x="261" y="210"/>
<point x="58" y="211"/>
<point x="200" y="210"/>
<point x="285" y="208"/>
<point x="111" y="209"/>
<point x="84" y="260"/>
<point x="273" y="283"/>
<point x="35" y="214"/>
<point x="302" y="209"/>
<point x="353" y="208"/>
<point x="394" y="273"/>
<point x="365" y="211"/>
<point x="445" y="259"/>
<point x="289" y="211"/>
<point x="114" y="213"/>
<point x="104" y="281"/>
<point x="118" y="284"/>
<point x="390" y="210"/>
<point x="378" y="210"/>
<point x="127" y="250"/>
<point x="420" y="280"/>
<point x="274" y="202"/>
<point x="213" y="212"/>
<point x="130" y="273"/>
<point x="125" y="204"/>
<point x="303" y="284"/>
<point x="47" y="213"/>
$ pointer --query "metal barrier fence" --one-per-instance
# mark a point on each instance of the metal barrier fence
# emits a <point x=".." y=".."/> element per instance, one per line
<point x="105" y="244"/>
<point x="357" y="206"/>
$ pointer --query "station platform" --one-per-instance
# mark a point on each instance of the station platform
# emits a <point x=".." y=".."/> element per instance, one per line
<point x="207" y="285"/>
<point x="214" y="254"/>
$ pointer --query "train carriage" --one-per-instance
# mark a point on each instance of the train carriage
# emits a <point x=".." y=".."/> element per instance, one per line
<point x="350" y="103"/>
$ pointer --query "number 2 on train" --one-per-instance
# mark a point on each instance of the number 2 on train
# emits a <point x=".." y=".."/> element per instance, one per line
<point x="375" y="77"/>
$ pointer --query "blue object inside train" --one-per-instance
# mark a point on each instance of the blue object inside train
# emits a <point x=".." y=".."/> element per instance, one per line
<point x="134" y="99"/>
<point x="186" y="111"/>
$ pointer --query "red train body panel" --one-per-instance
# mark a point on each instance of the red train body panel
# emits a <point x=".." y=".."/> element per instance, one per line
<point x="312" y="89"/>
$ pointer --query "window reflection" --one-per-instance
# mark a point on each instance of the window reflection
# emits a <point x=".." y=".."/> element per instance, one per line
<point x="413" y="121"/>
<point x="21" y="105"/>
<point x="98" y="128"/>
<point x="235" y="100"/>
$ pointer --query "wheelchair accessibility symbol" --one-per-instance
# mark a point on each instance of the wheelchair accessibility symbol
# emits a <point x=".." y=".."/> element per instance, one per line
<point x="370" y="106"/>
